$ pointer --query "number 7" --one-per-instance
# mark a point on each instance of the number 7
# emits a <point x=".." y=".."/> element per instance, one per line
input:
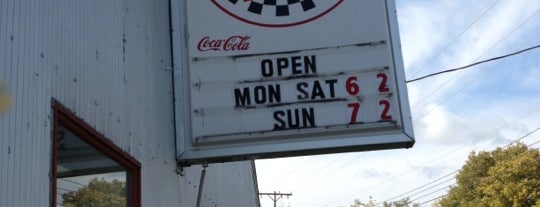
<point x="355" y="107"/>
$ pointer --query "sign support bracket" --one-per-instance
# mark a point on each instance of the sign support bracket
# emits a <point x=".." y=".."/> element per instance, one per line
<point x="201" y="184"/>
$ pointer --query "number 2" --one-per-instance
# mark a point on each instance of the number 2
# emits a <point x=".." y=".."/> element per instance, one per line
<point x="384" y="113"/>
<point x="382" y="87"/>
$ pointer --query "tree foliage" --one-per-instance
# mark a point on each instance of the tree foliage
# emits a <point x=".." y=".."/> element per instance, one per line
<point x="358" y="203"/>
<point x="503" y="177"/>
<point x="405" y="202"/>
<point x="98" y="193"/>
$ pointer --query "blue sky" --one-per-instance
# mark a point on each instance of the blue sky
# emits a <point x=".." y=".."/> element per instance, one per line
<point x="481" y="108"/>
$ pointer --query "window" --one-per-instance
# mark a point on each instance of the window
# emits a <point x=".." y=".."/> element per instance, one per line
<point x="88" y="169"/>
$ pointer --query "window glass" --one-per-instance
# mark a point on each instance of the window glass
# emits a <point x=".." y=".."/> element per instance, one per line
<point x="85" y="176"/>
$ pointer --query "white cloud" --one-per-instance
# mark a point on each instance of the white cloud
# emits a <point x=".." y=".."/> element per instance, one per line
<point x="443" y="127"/>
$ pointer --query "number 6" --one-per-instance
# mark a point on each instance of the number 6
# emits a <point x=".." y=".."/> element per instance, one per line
<point x="352" y="87"/>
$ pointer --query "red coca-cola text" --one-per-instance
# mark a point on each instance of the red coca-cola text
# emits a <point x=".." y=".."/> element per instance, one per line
<point x="233" y="43"/>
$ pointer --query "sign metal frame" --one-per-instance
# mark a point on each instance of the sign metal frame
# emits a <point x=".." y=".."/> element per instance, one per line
<point x="248" y="145"/>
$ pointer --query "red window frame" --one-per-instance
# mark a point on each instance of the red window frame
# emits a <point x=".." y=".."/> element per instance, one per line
<point x="63" y="116"/>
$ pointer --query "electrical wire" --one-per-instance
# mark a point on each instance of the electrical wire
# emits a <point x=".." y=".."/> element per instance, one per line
<point x="65" y="189"/>
<point x="521" y="138"/>
<point x="425" y="202"/>
<point x="452" y="78"/>
<point x="461" y="89"/>
<point x="530" y="145"/>
<point x="455" y="39"/>
<point x="476" y="63"/>
<point x="432" y="192"/>
<point x="420" y="187"/>
<point x="484" y="61"/>
<point x="294" y="170"/>
<point x="454" y="172"/>
<point x="473" y="64"/>
<point x="71" y="181"/>
<point x="320" y="169"/>
<point x="509" y="170"/>
<point x="334" y="171"/>
<point x="529" y="112"/>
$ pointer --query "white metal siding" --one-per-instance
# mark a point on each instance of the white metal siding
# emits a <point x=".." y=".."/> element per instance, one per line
<point x="106" y="61"/>
<point x="25" y="128"/>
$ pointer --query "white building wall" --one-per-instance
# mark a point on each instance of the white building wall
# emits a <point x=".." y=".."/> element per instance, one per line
<point x="105" y="60"/>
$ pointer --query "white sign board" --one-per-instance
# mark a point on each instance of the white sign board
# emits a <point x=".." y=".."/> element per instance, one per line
<point x="274" y="78"/>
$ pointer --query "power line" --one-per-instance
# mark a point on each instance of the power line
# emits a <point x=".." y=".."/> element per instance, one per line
<point x="432" y="199"/>
<point x="334" y="171"/>
<point x="456" y="38"/>
<point x="529" y="112"/>
<point x="471" y="81"/>
<point x="468" y="66"/>
<point x="454" y="172"/>
<point x="71" y="181"/>
<point x="481" y="62"/>
<point x="320" y="169"/>
<point x="523" y="137"/>
<point x="432" y="192"/>
<point x="420" y="187"/>
<point x="347" y="163"/>
<point x="473" y="64"/>
<point x="509" y="170"/>
<point x="448" y="81"/>
<point x="530" y="145"/>
<point x="275" y="196"/>
<point x="65" y="189"/>
<point x="294" y="170"/>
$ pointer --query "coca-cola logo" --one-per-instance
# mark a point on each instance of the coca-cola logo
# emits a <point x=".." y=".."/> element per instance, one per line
<point x="233" y="43"/>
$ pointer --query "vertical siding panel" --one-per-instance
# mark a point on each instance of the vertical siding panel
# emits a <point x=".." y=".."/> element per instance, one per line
<point x="5" y="125"/>
<point x="3" y="116"/>
<point x="11" y="86"/>
<point x="4" y="37"/>
<point x="34" y="81"/>
<point x="21" y="104"/>
<point x="43" y="137"/>
<point x="16" y="99"/>
<point x="40" y="151"/>
<point x="25" y="71"/>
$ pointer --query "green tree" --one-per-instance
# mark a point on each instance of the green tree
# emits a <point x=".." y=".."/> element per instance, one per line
<point x="358" y="203"/>
<point x="503" y="177"/>
<point x="405" y="202"/>
<point x="98" y="193"/>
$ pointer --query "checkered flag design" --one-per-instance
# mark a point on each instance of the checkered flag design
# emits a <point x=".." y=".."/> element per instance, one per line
<point x="282" y="7"/>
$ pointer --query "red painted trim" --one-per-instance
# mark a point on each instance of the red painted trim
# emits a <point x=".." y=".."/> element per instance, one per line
<point x="54" y="157"/>
<point x="64" y="116"/>
<point x="276" y="25"/>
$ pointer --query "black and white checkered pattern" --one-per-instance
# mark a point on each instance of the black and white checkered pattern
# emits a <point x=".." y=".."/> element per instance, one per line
<point x="282" y="7"/>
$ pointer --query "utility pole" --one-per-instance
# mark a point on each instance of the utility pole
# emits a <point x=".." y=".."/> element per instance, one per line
<point x="276" y="196"/>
